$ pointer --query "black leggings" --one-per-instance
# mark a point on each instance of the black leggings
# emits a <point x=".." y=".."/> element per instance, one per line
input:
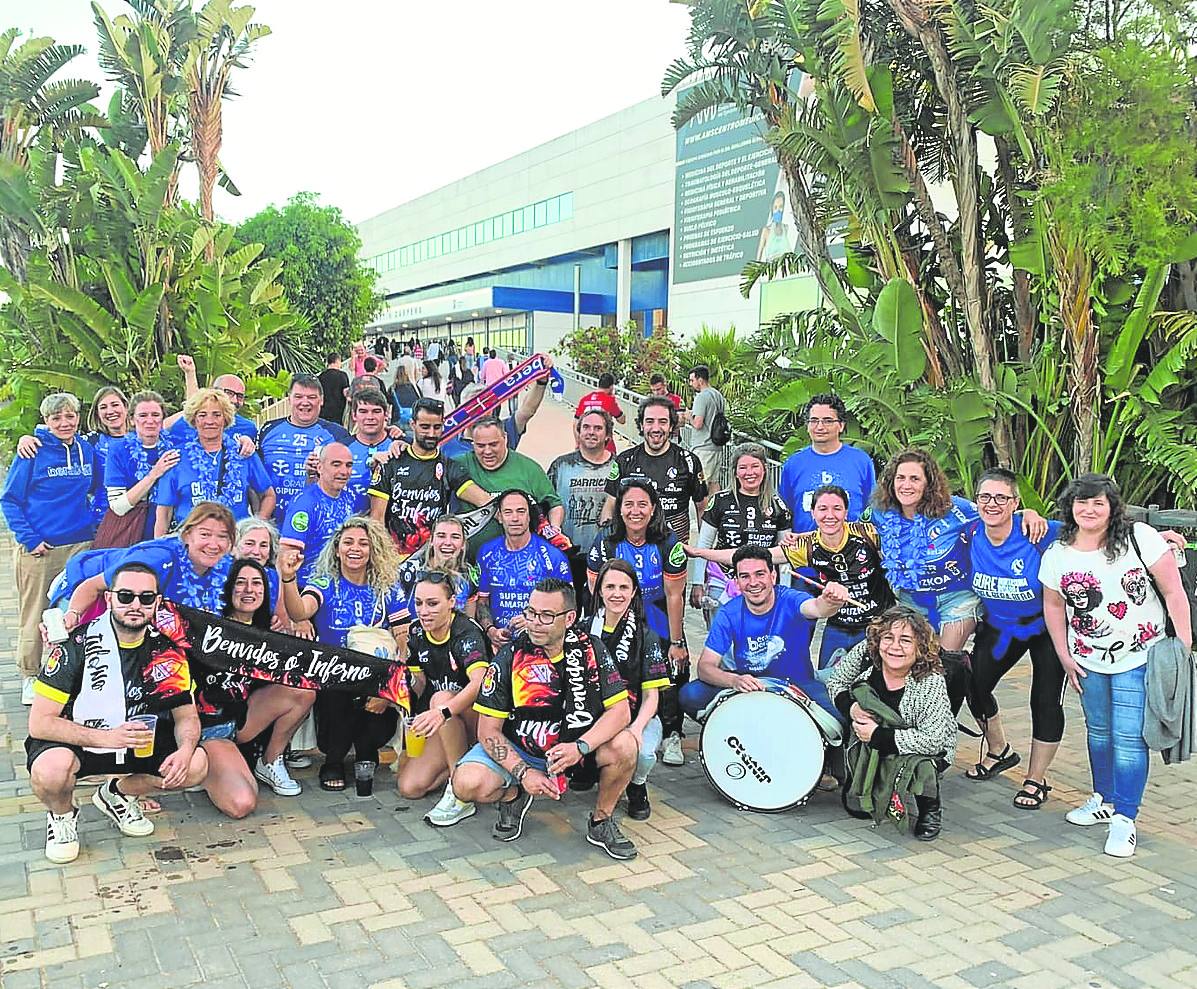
<point x="1047" y="680"/>
<point x="343" y="724"/>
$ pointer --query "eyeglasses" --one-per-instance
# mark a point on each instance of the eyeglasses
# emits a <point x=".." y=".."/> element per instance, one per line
<point x="127" y="597"/>
<point x="822" y="422"/>
<point x="1001" y="500"/>
<point x="544" y="617"/>
<point x="236" y="396"/>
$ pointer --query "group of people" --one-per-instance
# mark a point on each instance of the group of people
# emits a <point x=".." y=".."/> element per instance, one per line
<point x="538" y="615"/>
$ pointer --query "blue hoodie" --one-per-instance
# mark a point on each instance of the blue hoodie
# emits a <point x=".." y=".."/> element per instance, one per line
<point x="48" y="498"/>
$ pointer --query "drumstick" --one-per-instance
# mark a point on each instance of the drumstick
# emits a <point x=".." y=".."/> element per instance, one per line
<point x="823" y="587"/>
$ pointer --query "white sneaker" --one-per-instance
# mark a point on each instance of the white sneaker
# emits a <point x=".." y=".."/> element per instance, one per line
<point x="1092" y="811"/>
<point x="27" y="691"/>
<point x="62" y="837"/>
<point x="671" y="751"/>
<point x="1120" y="842"/>
<point x="449" y="810"/>
<point x="123" y="811"/>
<point x="275" y="776"/>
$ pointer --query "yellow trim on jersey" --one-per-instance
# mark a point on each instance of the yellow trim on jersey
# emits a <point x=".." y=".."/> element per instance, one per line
<point x="490" y="712"/>
<point x="51" y="693"/>
<point x="468" y="483"/>
<point x="612" y="701"/>
<point x="482" y="665"/>
<point x="414" y="669"/>
<point x="557" y="659"/>
<point x="440" y="642"/>
<point x="655" y="684"/>
<point x="608" y="629"/>
<point x="412" y="448"/>
<point x="378" y="494"/>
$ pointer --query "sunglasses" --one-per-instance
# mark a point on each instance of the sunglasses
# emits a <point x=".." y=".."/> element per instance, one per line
<point x="127" y="597"/>
<point x="435" y="577"/>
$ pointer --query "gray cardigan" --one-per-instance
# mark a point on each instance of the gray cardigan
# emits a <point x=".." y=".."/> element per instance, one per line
<point x="1168" y="717"/>
<point x="925" y="705"/>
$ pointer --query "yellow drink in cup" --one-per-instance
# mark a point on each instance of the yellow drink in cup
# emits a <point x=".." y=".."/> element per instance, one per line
<point x="413" y="744"/>
<point x="151" y="722"/>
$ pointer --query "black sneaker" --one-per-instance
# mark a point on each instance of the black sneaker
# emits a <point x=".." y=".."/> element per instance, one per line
<point x="639" y="809"/>
<point x="606" y="835"/>
<point x="510" y="824"/>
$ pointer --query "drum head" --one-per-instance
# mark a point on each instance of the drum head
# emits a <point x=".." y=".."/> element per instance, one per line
<point x="761" y="751"/>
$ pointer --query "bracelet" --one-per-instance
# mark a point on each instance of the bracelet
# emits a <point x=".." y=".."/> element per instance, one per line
<point x="291" y="581"/>
<point x="520" y="772"/>
<point x="680" y="643"/>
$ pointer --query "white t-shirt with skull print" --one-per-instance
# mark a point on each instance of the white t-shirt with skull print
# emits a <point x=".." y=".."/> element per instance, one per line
<point x="1114" y="614"/>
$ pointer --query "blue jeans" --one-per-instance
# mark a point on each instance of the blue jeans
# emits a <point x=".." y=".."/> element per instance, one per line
<point x="648" y="751"/>
<point x="1113" y="704"/>
<point x="835" y="640"/>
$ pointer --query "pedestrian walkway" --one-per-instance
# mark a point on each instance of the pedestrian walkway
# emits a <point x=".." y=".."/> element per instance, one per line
<point x="326" y="891"/>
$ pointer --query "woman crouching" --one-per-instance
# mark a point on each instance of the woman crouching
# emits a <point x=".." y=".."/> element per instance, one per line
<point x="891" y="688"/>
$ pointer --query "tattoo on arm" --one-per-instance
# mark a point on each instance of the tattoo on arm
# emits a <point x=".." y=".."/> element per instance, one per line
<point x="497" y="748"/>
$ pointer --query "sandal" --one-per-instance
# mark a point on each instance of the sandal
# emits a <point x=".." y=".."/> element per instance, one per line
<point x="332" y="777"/>
<point x="1032" y="796"/>
<point x="1004" y="760"/>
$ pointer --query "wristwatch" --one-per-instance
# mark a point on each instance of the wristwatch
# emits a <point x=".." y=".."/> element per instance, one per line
<point x="446" y="713"/>
<point x="582" y="747"/>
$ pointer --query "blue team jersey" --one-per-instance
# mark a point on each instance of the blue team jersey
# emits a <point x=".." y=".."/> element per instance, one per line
<point x="198" y="476"/>
<point x="359" y="480"/>
<point x="806" y="470"/>
<point x="181" y="431"/>
<point x="1006" y="577"/>
<point x="927" y="556"/>
<point x="311" y="520"/>
<point x="344" y="604"/>
<point x="776" y="644"/>
<point x="654" y="564"/>
<point x="508" y="575"/>
<point x="284" y="449"/>
<point x="130" y="462"/>
<point x="103" y="444"/>
<point x="177" y="578"/>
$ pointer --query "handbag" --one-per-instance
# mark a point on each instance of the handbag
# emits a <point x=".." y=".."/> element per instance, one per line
<point x="119" y="531"/>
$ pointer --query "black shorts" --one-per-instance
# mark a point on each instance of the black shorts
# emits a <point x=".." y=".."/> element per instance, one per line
<point x="104" y="763"/>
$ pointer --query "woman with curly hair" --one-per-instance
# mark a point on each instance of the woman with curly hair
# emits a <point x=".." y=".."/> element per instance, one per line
<point x="353" y="584"/>
<point x="1110" y="588"/>
<point x="923" y="527"/>
<point x="892" y="690"/>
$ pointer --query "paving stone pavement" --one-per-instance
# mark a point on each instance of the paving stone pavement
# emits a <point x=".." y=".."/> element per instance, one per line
<point x="325" y="891"/>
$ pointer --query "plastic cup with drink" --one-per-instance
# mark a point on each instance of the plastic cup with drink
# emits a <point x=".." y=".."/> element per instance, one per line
<point x="151" y="723"/>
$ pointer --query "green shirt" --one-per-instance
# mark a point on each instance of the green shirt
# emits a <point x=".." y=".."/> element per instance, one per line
<point x="517" y="472"/>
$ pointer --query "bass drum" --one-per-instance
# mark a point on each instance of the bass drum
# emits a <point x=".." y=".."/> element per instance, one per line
<point x="762" y="750"/>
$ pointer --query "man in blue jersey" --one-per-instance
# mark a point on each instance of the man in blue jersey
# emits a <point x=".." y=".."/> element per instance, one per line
<point x="180" y="430"/>
<point x="285" y="444"/>
<point x="763" y="634"/>
<point x="510" y="566"/>
<point x="319" y="509"/>
<point x="371" y="444"/>
<point x="828" y="460"/>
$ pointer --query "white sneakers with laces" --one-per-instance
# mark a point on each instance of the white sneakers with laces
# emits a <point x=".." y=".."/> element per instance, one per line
<point x="671" y="751"/>
<point x="123" y="811"/>
<point x="449" y="810"/>
<point x="275" y="776"/>
<point x="1092" y="811"/>
<point x="62" y="837"/>
<point x="1120" y="842"/>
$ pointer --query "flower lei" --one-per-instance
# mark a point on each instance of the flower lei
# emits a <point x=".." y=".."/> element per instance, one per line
<point x="232" y="486"/>
<point x="195" y="591"/>
<point x="140" y="455"/>
<point x="903" y="546"/>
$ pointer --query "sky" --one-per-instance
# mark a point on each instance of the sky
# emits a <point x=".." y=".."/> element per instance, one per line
<point x="390" y="99"/>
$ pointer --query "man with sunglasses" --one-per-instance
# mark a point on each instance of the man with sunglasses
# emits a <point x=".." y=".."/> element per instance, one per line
<point x="827" y="460"/>
<point x="549" y="700"/>
<point x="95" y="701"/>
<point x="413" y="489"/>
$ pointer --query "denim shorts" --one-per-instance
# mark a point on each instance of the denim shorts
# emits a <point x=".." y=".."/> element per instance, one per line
<point x="479" y="755"/>
<point x="223" y="730"/>
<point x="948" y="608"/>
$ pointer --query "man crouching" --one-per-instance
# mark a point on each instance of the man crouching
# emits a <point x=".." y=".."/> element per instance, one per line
<point x="550" y="699"/>
<point x="114" y="699"/>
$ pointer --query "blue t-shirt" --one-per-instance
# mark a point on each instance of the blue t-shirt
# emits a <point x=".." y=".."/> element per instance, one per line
<point x="359" y="480"/>
<point x="1006" y="577"/>
<point x="776" y="644"/>
<point x="194" y="479"/>
<point x="312" y="518"/>
<point x="284" y="449"/>
<point x="130" y="462"/>
<point x="181" y="431"/>
<point x="805" y="470"/>
<point x="343" y="605"/>
<point x="459" y="446"/>
<point x="177" y="579"/>
<point x="508" y="575"/>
